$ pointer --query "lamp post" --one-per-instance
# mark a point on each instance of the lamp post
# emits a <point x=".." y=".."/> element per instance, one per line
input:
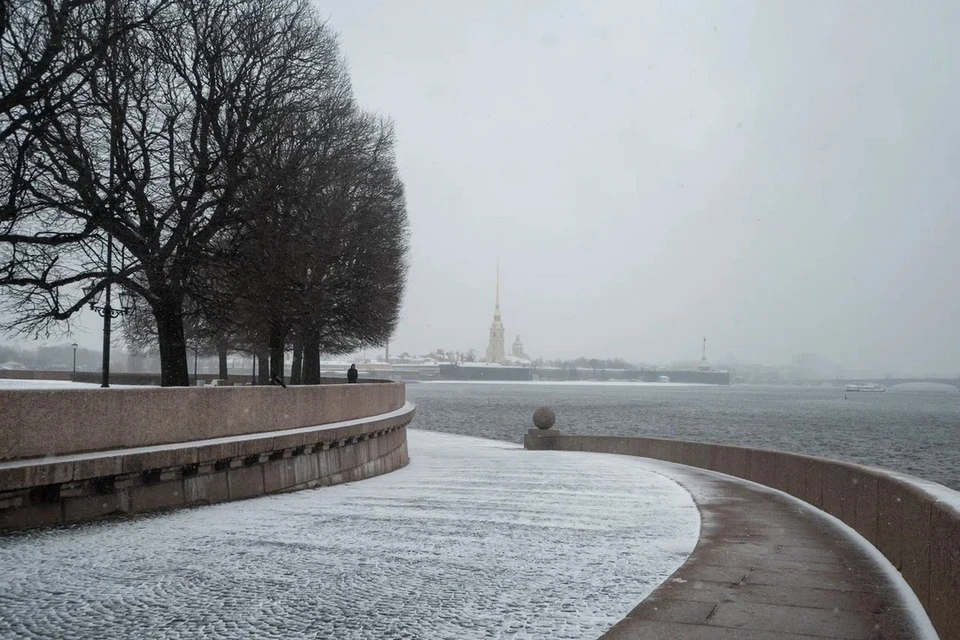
<point x="126" y="298"/>
<point x="108" y="313"/>
<point x="74" y="345"/>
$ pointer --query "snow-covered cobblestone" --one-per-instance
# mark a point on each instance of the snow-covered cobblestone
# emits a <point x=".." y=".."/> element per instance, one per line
<point x="474" y="539"/>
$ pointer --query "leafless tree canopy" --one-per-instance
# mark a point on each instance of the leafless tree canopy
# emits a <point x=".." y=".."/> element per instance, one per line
<point x="216" y="148"/>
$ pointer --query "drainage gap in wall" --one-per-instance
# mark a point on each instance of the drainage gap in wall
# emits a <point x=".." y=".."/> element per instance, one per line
<point x="103" y="484"/>
<point x="189" y="470"/>
<point x="152" y="476"/>
<point x="47" y="494"/>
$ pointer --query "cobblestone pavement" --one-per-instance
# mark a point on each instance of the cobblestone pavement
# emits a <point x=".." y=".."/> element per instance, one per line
<point x="474" y="539"/>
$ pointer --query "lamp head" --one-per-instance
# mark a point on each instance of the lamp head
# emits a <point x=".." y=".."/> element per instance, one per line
<point x="91" y="289"/>
<point x="127" y="300"/>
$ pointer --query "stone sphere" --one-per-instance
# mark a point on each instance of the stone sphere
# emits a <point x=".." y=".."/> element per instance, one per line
<point x="544" y="418"/>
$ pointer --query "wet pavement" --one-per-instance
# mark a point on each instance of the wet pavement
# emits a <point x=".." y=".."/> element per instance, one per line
<point x="768" y="567"/>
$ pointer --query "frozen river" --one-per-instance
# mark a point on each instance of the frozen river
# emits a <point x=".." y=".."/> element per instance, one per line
<point x="474" y="539"/>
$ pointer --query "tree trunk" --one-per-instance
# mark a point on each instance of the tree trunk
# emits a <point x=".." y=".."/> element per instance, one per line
<point x="311" y="358"/>
<point x="263" y="366"/>
<point x="168" y="313"/>
<point x="277" y="344"/>
<point x="222" y="356"/>
<point x="296" y="372"/>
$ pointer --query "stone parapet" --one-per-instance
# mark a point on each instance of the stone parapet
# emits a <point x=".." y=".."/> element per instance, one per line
<point x="540" y="439"/>
<point x="80" y="487"/>
<point x="38" y="423"/>
<point x="915" y="524"/>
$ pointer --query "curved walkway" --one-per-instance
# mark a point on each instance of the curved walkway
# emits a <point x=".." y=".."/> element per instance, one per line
<point x="766" y="567"/>
<point x="473" y="539"/>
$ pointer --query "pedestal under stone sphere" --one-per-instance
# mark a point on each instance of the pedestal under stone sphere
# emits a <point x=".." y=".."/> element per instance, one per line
<point x="544" y="418"/>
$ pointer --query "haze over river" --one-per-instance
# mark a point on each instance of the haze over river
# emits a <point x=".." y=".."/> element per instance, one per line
<point x="911" y="428"/>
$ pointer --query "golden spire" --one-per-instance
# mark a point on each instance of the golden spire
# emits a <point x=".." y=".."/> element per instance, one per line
<point x="496" y="310"/>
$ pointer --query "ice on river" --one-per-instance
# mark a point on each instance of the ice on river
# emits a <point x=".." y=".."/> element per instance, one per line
<point x="474" y="539"/>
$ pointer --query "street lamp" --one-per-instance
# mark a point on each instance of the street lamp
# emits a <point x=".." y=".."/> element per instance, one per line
<point x="74" y="345"/>
<point x="108" y="313"/>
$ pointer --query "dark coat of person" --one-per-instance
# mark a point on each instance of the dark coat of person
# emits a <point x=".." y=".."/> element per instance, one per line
<point x="352" y="373"/>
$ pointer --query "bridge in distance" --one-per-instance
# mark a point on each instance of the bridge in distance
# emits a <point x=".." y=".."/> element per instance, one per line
<point x="892" y="382"/>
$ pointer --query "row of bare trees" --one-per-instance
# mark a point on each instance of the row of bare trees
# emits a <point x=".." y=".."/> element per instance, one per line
<point x="207" y="156"/>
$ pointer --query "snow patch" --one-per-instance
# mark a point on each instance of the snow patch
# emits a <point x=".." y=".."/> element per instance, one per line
<point x="15" y="383"/>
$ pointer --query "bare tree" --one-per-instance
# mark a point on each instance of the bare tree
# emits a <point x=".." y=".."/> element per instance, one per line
<point x="362" y="257"/>
<point x="320" y="258"/>
<point x="151" y="156"/>
<point x="214" y="147"/>
<point x="49" y="50"/>
<point x="48" y="44"/>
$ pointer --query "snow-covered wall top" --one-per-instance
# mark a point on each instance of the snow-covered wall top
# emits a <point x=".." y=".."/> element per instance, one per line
<point x="40" y="423"/>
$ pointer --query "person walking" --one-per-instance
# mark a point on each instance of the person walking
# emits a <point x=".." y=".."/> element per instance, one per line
<point x="352" y="373"/>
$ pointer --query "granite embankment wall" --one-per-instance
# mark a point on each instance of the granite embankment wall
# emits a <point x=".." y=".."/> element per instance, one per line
<point x="40" y="422"/>
<point x="144" y="378"/>
<point x="914" y="523"/>
<point x="74" y="455"/>
<point x="29" y="374"/>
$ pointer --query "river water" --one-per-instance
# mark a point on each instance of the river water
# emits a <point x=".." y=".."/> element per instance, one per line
<point x="910" y="428"/>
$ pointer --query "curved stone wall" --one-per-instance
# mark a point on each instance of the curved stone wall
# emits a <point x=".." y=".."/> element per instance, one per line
<point x="914" y="523"/>
<point x="241" y="443"/>
<point x="39" y="422"/>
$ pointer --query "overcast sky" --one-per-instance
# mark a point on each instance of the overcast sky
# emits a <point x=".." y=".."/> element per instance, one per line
<point x="781" y="177"/>
<point x="777" y="176"/>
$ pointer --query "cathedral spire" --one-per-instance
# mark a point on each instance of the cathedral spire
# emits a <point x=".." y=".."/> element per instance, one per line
<point x="495" y="348"/>
<point x="496" y="309"/>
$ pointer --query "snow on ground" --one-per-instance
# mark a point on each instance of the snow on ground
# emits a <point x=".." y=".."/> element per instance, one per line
<point x="52" y="384"/>
<point x="474" y="539"/>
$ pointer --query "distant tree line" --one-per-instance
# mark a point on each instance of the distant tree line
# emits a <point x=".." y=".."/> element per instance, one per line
<point x="596" y="364"/>
<point x="588" y="369"/>
<point x="208" y="157"/>
<point x="51" y="357"/>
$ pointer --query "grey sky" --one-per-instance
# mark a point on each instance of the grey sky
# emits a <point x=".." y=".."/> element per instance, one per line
<point x="780" y="177"/>
<point x="777" y="176"/>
